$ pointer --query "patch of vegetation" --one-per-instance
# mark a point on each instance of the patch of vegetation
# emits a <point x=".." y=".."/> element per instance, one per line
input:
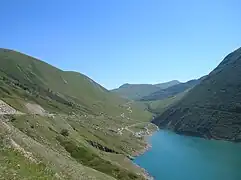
<point x="11" y="117"/>
<point x="46" y="129"/>
<point x="64" y="132"/>
<point x="14" y="166"/>
<point x="88" y="158"/>
<point x="159" y="106"/>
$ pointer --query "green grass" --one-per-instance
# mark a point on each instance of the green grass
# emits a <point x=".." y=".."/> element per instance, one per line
<point x="14" y="166"/>
<point x="81" y="106"/>
<point x="52" y="155"/>
<point x="88" y="158"/>
<point x="45" y="130"/>
<point x="159" y="106"/>
<point x="37" y="81"/>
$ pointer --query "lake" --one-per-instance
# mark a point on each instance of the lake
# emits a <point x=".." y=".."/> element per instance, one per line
<point x="176" y="157"/>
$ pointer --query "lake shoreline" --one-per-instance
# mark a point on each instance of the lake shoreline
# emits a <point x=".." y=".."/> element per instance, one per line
<point x="170" y="151"/>
<point x="147" y="147"/>
<point x="148" y="144"/>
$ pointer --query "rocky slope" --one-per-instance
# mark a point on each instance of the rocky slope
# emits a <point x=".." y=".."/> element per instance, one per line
<point x="211" y="109"/>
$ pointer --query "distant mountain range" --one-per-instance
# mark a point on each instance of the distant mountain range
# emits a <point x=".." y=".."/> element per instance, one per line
<point x="138" y="91"/>
<point x="212" y="109"/>
<point x="171" y="91"/>
<point x="153" y="92"/>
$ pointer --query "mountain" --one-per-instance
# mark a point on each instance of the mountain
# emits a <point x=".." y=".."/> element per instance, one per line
<point x="167" y="84"/>
<point x="212" y="109"/>
<point x="137" y="91"/>
<point x="171" y="91"/>
<point x="157" y="107"/>
<point x="63" y="125"/>
<point x="63" y="86"/>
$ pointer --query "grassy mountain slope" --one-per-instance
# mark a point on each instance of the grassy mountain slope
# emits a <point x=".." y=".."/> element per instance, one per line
<point x="94" y="147"/>
<point x="44" y="78"/>
<point x="137" y="91"/>
<point x="212" y="109"/>
<point x="167" y="84"/>
<point x="73" y="89"/>
<point x="159" y="106"/>
<point x="171" y="91"/>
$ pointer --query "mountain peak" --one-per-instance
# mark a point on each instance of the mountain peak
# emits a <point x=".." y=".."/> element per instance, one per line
<point x="125" y="85"/>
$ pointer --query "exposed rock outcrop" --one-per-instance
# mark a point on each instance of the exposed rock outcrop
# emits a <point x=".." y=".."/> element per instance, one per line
<point x="6" y="109"/>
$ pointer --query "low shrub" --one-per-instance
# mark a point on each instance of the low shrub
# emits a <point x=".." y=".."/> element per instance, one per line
<point x="90" y="159"/>
<point x="64" y="132"/>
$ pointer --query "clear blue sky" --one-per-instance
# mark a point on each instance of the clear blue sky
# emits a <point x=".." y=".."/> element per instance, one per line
<point x="124" y="41"/>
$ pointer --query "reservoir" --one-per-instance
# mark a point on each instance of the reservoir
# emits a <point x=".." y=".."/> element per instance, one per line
<point x="176" y="157"/>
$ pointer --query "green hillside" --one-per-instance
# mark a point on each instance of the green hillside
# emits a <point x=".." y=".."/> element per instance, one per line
<point x="138" y="91"/>
<point x="45" y="79"/>
<point x="212" y="109"/>
<point x="159" y="106"/>
<point x="66" y="121"/>
<point x="167" y="84"/>
<point x="135" y="91"/>
<point x="171" y="91"/>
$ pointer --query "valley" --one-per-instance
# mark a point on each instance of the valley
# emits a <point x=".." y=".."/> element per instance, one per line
<point x="120" y="90"/>
<point x="70" y="133"/>
<point x="67" y="126"/>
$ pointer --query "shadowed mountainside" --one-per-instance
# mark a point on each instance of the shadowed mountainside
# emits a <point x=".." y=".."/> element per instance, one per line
<point x="212" y="109"/>
<point x="171" y="91"/>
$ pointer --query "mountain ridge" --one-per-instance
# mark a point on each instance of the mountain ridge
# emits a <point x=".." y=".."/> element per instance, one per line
<point x="137" y="91"/>
<point x="211" y="109"/>
<point x="172" y="90"/>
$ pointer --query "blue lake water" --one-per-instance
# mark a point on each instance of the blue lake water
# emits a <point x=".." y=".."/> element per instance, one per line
<point x="175" y="157"/>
